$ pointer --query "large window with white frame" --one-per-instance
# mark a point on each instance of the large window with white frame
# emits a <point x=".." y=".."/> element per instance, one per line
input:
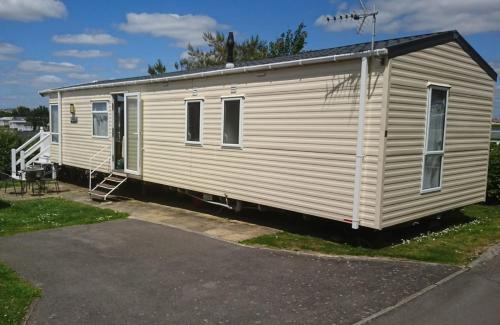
<point x="432" y="169"/>
<point x="54" y="123"/>
<point x="232" y="121"/>
<point x="100" y="119"/>
<point x="194" y="121"/>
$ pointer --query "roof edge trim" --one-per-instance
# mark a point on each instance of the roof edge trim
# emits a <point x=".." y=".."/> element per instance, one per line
<point x="223" y="71"/>
<point x="446" y="37"/>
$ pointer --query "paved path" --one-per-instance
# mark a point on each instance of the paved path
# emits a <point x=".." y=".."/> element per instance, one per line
<point x="185" y="219"/>
<point x="471" y="298"/>
<point x="134" y="272"/>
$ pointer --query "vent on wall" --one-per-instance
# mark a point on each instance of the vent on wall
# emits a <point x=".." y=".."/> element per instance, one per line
<point x="195" y="92"/>
<point x="233" y="89"/>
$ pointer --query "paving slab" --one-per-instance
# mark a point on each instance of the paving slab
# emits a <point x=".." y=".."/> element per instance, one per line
<point x="189" y="220"/>
<point x="134" y="272"/>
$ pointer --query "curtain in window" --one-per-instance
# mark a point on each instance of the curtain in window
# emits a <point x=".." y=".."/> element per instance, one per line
<point x="193" y="122"/>
<point x="100" y="122"/>
<point x="231" y="134"/>
<point x="54" y="123"/>
<point x="432" y="171"/>
<point x="437" y="113"/>
<point x="100" y="119"/>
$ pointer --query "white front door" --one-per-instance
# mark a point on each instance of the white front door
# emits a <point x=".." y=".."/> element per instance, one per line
<point x="132" y="133"/>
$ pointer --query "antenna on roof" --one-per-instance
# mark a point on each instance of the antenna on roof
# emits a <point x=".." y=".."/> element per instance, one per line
<point x="361" y="17"/>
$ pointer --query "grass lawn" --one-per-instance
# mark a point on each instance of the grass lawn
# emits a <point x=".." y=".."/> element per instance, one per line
<point x="20" y="216"/>
<point x="457" y="244"/>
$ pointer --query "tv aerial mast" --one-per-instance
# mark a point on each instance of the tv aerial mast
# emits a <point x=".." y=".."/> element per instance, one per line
<point x="361" y="17"/>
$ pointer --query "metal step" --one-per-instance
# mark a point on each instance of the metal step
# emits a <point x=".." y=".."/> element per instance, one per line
<point x="103" y="189"/>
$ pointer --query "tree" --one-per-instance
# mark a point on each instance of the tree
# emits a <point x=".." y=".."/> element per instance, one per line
<point x="39" y="117"/>
<point x="157" y="68"/>
<point x="8" y="139"/>
<point x="252" y="48"/>
<point x="289" y="42"/>
<point x="21" y="111"/>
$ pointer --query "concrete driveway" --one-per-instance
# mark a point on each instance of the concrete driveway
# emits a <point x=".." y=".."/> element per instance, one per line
<point x="134" y="272"/>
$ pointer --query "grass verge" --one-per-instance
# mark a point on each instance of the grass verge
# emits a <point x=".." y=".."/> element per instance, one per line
<point x="457" y="244"/>
<point x="16" y="294"/>
<point x="30" y="215"/>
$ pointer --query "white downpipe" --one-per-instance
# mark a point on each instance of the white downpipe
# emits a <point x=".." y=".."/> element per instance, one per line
<point x="360" y="143"/>
<point x="59" y="109"/>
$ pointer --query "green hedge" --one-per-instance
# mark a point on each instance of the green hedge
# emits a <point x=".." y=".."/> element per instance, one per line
<point x="493" y="193"/>
<point x="8" y="139"/>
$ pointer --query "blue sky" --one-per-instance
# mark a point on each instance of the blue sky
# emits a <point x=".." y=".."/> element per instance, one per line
<point x="49" y="43"/>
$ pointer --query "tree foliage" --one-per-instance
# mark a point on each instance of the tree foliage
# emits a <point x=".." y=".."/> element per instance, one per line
<point x="157" y="68"/>
<point x="253" y="48"/>
<point x="38" y="117"/>
<point x="289" y="42"/>
<point x="493" y="192"/>
<point x="8" y="139"/>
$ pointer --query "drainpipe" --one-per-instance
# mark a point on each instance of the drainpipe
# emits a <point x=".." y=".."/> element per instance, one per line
<point x="360" y="143"/>
<point x="59" y="106"/>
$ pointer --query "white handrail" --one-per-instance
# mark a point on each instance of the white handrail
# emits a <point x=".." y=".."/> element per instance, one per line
<point x="37" y="145"/>
<point x="107" y="160"/>
<point x="24" y="145"/>
<point x="42" y="144"/>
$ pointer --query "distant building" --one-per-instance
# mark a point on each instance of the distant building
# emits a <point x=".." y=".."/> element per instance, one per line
<point x="4" y="121"/>
<point x="17" y="123"/>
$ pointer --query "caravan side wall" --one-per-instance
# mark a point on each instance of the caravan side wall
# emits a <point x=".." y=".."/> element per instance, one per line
<point x="299" y="137"/>
<point x="467" y="136"/>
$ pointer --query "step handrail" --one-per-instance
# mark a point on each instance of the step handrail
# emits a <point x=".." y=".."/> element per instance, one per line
<point x="42" y="144"/>
<point x="91" y="159"/>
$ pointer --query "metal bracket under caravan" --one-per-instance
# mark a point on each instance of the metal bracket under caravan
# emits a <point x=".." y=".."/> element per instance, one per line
<point x="236" y="208"/>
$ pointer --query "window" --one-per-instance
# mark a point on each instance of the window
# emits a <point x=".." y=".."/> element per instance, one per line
<point x="100" y="119"/>
<point x="437" y="103"/>
<point x="193" y="121"/>
<point x="232" y="122"/>
<point x="54" y="123"/>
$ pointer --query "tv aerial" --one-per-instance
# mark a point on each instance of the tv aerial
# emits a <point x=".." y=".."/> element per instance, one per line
<point x="361" y="17"/>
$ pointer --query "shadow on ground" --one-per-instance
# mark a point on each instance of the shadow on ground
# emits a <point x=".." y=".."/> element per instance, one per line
<point x="330" y="230"/>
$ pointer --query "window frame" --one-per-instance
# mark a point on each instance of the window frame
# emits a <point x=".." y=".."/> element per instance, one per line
<point x="58" y="133"/>
<point x="241" y="99"/>
<point x="99" y="112"/>
<point x="426" y="152"/>
<point x="186" y="103"/>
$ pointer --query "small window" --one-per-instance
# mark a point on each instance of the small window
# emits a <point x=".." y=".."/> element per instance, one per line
<point x="100" y="119"/>
<point x="434" y="138"/>
<point x="54" y="123"/>
<point x="193" y="121"/>
<point x="232" y="121"/>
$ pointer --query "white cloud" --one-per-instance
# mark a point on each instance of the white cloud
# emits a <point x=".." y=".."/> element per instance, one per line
<point x="128" y="64"/>
<point x="31" y="10"/>
<point x="49" y="67"/>
<point x="183" y="29"/>
<point x="83" y="54"/>
<point x="47" y="79"/>
<point x="95" y="39"/>
<point x="468" y="17"/>
<point x="8" y="51"/>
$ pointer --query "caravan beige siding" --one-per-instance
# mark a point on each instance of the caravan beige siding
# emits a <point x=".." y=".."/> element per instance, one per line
<point x="467" y="134"/>
<point x="299" y="139"/>
<point x="78" y="144"/>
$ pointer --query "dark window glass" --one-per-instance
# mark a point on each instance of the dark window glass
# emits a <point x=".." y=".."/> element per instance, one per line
<point x="231" y="133"/>
<point x="193" y="122"/>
